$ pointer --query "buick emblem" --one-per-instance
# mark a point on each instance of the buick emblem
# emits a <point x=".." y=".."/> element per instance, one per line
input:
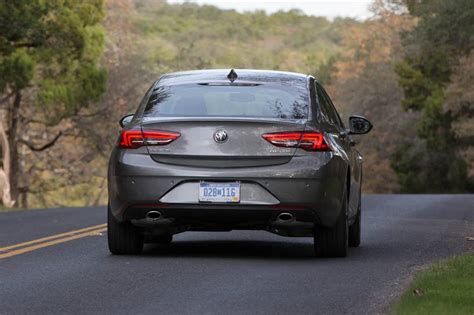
<point x="220" y="136"/>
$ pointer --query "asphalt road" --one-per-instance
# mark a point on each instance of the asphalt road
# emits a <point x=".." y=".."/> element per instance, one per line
<point x="227" y="273"/>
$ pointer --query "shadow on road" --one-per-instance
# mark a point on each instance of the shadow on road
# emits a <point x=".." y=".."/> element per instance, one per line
<point x="232" y="249"/>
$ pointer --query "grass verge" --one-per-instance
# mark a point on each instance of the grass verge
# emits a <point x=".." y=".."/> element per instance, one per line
<point x="444" y="288"/>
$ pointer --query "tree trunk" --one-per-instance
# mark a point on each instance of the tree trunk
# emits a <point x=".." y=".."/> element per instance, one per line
<point x="12" y="137"/>
<point x="5" y="171"/>
<point x="10" y="172"/>
<point x="23" y="197"/>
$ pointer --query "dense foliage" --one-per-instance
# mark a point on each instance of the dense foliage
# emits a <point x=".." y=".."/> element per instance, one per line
<point x="48" y="72"/>
<point x="433" y="49"/>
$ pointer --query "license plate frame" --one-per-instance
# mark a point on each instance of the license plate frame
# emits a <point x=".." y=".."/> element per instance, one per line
<point x="219" y="192"/>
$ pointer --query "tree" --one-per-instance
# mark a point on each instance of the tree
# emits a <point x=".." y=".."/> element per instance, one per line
<point x="48" y="73"/>
<point x="459" y="104"/>
<point x="363" y="82"/>
<point x="433" y="49"/>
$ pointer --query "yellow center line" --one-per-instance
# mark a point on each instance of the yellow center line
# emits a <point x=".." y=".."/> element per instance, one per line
<point x="22" y="248"/>
<point x="52" y="242"/>
<point x="39" y="240"/>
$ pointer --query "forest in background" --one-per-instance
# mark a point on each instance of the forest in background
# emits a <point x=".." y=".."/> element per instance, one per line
<point x="409" y="69"/>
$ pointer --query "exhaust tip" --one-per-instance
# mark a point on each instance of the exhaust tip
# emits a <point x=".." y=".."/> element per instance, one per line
<point x="153" y="215"/>
<point x="285" y="217"/>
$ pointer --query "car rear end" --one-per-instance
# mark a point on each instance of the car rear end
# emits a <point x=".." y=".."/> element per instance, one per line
<point x="207" y="152"/>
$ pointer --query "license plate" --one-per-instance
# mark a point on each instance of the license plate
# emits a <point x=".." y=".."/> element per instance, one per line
<point x="219" y="192"/>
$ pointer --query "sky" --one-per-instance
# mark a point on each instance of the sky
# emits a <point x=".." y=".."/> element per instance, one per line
<point x="328" y="8"/>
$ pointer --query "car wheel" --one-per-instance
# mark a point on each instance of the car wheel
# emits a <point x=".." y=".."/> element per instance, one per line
<point x="354" y="230"/>
<point x="123" y="237"/>
<point x="333" y="242"/>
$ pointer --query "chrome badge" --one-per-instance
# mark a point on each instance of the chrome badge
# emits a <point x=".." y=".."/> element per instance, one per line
<point x="220" y="136"/>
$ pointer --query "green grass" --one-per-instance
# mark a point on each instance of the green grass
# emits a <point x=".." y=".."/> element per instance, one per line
<point x="444" y="288"/>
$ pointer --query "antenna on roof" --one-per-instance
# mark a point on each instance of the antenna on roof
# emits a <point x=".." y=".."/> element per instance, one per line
<point x="232" y="76"/>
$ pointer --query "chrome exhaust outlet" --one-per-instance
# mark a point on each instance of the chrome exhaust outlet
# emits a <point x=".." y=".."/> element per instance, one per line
<point x="285" y="217"/>
<point x="153" y="215"/>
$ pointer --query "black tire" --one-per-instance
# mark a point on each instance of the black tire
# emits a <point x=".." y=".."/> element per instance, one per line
<point x="333" y="242"/>
<point x="123" y="237"/>
<point x="354" y="229"/>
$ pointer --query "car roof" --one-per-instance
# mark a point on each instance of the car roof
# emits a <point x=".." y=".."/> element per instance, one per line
<point x="243" y="76"/>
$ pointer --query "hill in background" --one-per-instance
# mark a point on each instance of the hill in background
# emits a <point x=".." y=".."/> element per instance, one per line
<point x="147" y="38"/>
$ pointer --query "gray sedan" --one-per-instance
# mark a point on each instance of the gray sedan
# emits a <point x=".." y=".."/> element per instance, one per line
<point x="220" y="150"/>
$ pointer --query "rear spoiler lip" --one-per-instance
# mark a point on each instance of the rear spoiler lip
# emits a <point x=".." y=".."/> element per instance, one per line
<point x="151" y="120"/>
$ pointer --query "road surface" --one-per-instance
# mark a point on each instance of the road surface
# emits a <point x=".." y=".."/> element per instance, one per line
<point x="224" y="273"/>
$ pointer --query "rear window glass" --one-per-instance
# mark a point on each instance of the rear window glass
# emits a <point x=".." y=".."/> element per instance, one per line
<point x="197" y="100"/>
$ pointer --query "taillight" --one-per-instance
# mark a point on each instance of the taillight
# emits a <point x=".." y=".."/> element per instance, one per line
<point x="132" y="139"/>
<point x="309" y="141"/>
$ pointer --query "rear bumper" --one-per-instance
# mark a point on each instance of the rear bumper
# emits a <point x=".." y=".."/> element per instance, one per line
<point x="180" y="218"/>
<point x="309" y="186"/>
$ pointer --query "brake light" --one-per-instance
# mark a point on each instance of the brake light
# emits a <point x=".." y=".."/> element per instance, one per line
<point x="132" y="139"/>
<point x="309" y="141"/>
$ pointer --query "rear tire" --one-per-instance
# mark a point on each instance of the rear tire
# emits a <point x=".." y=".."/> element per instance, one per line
<point x="354" y="230"/>
<point x="333" y="242"/>
<point x="123" y="237"/>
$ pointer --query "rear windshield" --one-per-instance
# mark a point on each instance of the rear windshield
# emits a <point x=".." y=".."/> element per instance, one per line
<point x="198" y="100"/>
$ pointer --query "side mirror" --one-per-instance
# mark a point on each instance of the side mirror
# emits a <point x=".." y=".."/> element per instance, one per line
<point x="359" y="125"/>
<point x="125" y="120"/>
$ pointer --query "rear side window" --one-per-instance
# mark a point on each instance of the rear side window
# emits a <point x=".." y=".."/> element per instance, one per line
<point x="327" y="108"/>
<point x="198" y="100"/>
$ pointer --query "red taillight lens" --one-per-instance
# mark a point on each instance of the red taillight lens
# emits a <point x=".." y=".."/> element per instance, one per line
<point x="132" y="139"/>
<point x="309" y="141"/>
<point x="313" y="141"/>
<point x="160" y="137"/>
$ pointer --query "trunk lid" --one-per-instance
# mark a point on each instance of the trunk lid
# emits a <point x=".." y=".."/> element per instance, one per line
<point x="203" y="141"/>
